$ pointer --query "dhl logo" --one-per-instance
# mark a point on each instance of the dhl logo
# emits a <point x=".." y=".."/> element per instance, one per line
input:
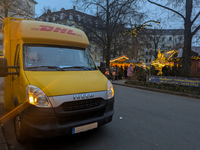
<point x="57" y="29"/>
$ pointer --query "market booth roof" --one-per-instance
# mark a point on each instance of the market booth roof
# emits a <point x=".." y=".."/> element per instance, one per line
<point x="119" y="59"/>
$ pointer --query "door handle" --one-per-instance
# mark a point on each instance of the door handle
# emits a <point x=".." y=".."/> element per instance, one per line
<point x="13" y="78"/>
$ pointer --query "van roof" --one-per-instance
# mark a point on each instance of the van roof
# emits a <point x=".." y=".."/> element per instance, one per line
<point x="31" y="31"/>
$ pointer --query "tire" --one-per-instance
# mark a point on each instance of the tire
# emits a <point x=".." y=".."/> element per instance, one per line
<point x="20" y="133"/>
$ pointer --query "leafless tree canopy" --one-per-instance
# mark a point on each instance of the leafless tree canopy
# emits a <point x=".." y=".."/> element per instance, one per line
<point x="45" y="9"/>
<point x="186" y="10"/>
<point x="112" y="18"/>
<point x="14" y="8"/>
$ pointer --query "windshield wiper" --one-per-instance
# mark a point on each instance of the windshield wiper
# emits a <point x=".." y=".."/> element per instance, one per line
<point x="53" y="67"/>
<point x="78" y="67"/>
<point x="49" y="67"/>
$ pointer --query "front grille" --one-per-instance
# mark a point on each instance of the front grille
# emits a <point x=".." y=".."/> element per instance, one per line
<point x="82" y="104"/>
<point x="70" y="118"/>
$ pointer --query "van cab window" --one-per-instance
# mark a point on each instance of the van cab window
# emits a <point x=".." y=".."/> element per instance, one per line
<point x="48" y="58"/>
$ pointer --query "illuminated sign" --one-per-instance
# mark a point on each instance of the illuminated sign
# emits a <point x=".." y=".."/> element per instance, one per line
<point x="174" y="80"/>
<point x="57" y="29"/>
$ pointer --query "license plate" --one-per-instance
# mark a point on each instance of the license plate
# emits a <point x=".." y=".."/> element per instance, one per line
<point x="84" y="128"/>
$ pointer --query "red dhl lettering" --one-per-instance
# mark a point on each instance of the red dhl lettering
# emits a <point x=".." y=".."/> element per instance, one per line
<point x="46" y="28"/>
<point x="60" y="30"/>
<point x="71" y="32"/>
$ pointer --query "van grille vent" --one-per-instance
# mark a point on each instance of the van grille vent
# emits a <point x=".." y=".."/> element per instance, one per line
<point x="82" y="104"/>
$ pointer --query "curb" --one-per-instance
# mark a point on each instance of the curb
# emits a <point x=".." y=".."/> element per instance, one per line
<point x="158" y="90"/>
<point x="3" y="142"/>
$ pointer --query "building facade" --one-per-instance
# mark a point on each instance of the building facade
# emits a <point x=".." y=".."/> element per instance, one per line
<point x="153" y="40"/>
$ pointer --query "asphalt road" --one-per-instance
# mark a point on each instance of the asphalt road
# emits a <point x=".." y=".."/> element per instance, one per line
<point x="143" y="120"/>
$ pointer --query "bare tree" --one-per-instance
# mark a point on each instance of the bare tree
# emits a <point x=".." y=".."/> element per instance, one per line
<point x="45" y="9"/>
<point x="114" y="16"/>
<point x="189" y="29"/>
<point x="14" y="8"/>
<point x="152" y="39"/>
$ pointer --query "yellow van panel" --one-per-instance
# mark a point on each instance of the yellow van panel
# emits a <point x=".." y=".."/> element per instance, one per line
<point x="55" y="83"/>
<point x="48" y="33"/>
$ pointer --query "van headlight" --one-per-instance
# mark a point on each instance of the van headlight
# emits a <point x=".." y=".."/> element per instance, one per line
<point x="37" y="97"/>
<point x="110" y="90"/>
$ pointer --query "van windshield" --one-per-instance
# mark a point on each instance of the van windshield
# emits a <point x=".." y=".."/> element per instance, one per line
<point x="45" y="57"/>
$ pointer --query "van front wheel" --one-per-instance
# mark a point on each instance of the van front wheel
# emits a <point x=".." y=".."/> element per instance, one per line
<point x="19" y="130"/>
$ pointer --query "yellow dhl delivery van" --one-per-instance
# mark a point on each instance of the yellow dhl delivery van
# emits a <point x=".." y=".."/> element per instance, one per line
<point x="49" y="66"/>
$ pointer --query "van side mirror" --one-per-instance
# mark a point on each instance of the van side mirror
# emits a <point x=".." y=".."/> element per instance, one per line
<point x="3" y="67"/>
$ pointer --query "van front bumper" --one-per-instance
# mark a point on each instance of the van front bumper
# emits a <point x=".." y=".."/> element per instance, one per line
<point x="45" y="123"/>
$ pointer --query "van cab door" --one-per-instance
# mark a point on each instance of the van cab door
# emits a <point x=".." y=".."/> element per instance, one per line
<point x="16" y="78"/>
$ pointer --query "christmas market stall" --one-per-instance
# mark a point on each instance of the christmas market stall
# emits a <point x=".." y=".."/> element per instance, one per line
<point x="122" y="63"/>
<point x="164" y="60"/>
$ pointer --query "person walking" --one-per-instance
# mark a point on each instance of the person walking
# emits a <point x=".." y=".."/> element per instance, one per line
<point x="129" y="72"/>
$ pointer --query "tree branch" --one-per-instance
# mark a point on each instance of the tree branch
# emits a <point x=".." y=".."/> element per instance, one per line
<point x="195" y="17"/>
<point x="195" y="31"/>
<point x="167" y="8"/>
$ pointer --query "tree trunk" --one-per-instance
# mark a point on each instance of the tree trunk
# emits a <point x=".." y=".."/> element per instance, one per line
<point x="108" y="36"/>
<point x="186" y="63"/>
<point x="108" y="56"/>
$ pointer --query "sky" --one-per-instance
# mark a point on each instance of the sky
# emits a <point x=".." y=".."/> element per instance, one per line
<point x="58" y="4"/>
<point x="67" y="4"/>
<point x="167" y="23"/>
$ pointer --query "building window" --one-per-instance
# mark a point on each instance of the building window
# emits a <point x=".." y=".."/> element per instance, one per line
<point x="70" y="17"/>
<point x="41" y="19"/>
<point x="146" y="60"/>
<point x="79" y="18"/>
<point x="70" y="24"/>
<point x="149" y="59"/>
<point x="180" y="38"/>
<point x="54" y="18"/>
<point x="146" y="53"/>
<point x="28" y="8"/>
<point x="96" y="24"/>
<point x="61" y="16"/>
<point x="47" y="19"/>
<point x="150" y="53"/>
<point x="163" y="39"/>
<point x="170" y="38"/>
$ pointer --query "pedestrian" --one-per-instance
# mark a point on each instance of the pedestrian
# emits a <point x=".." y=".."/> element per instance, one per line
<point x="129" y="72"/>
<point x="125" y="72"/>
